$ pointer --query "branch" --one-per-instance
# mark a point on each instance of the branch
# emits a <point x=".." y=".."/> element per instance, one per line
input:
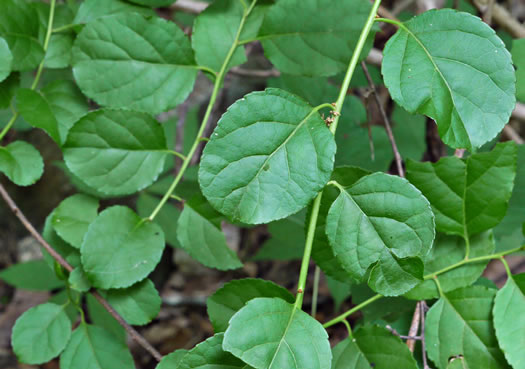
<point x="512" y="134"/>
<point x="190" y="6"/>
<point x="388" y="128"/>
<point x="502" y="17"/>
<point x="25" y="222"/>
<point x="414" y="326"/>
<point x="258" y="73"/>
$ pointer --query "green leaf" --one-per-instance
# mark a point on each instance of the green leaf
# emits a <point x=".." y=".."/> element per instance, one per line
<point x="130" y="61"/>
<point x="167" y="218"/>
<point x="518" y="57"/>
<point x="269" y="333"/>
<point x="453" y="187"/>
<point x="135" y="247"/>
<point x="92" y="347"/>
<point x="509" y="320"/>
<point x="37" y="112"/>
<point x="32" y="275"/>
<point x="460" y="323"/>
<point x="78" y="281"/>
<point x="54" y="109"/>
<point x="73" y="216"/>
<point x="62" y="298"/>
<point x="231" y="297"/>
<point x="102" y="318"/>
<point x="6" y="59"/>
<point x="58" y="54"/>
<point x="508" y="232"/>
<point x="90" y="10"/>
<point x="469" y="94"/>
<point x="41" y="333"/>
<point x="287" y="239"/>
<point x="138" y="304"/>
<point x="118" y="152"/>
<point x="214" y="32"/>
<point x="313" y="37"/>
<point x="202" y="238"/>
<point x="68" y="252"/>
<point x="19" y="27"/>
<point x="270" y="154"/>
<point x="447" y="251"/>
<point x="382" y="222"/>
<point x="209" y="354"/>
<point x="21" y="163"/>
<point x="322" y="252"/>
<point x="172" y="360"/>
<point x="372" y="347"/>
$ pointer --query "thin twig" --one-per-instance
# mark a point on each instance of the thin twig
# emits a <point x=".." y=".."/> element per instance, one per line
<point x="502" y="17"/>
<point x="414" y="326"/>
<point x="258" y="73"/>
<point x="487" y="14"/>
<point x="25" y="222"/>
<point x="459" y="153"/>
<point x="190" y="6"/>
<point x="315" y="292"/>
<point x="388" y="127"/>
<point x="423" y="308"/>
<point x="519" y="111"/>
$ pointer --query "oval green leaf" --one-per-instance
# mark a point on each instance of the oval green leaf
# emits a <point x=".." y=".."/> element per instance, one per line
<point x="118" y="152"/>
<point x="172" y="360"/>
<point x="269" y="333"/>
<point x="270" y="154"/>
<point x="128" y="60"/>
<point x="202" y="238"/>
<point x="34" y="275"/>
<point x="509" y="320"/>
<point x="21" y="163"/>
<point x="384" y="222"/>
<point x="135" y="247"/>
<point x="232" y="297"/>
<point x="313" y="37"/>
<point x="41" y="333"/>
<point x="92" y="347"/>
<point x="73" y="216"/>
<point x="78" y="281"/>
<point x="465" y="84"/>
<point x="90" y="10"/>
<point x="138" y="304"/>
<point x="453" y="187"/>
<point x="460" y="323"/>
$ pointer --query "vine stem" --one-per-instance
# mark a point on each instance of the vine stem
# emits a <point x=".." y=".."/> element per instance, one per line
<point x="216" y="88"/>
<point x="434" y="275"/>
<point x="60" y="260"/>
<point x="338" y="107"/>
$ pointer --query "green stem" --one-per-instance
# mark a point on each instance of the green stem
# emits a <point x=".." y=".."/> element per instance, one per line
<point x="46" y="43"/>
<point x="64" y="28"/>
<point x="216" y="88"/>
<point x="506" y="265"/>
<point x="308" y="250"/>
<point x="177" y="154"/>
<point x="427" y="277"/>
<point x="353" y="63"/>
<point x="9" y="125"/>
<point x="438" y="285"/>
<point x="348" y="328"/>
<point x="467" y="247"/>
<point x="391" y="21"/>
<point x="338" y="106"/>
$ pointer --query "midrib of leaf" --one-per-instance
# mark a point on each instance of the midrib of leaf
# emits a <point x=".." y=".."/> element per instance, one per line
<point x="294" y="309"/>
<point x="91" y="345"/>
<point x="436" y="68"/>
<point x="305" y="119"/>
